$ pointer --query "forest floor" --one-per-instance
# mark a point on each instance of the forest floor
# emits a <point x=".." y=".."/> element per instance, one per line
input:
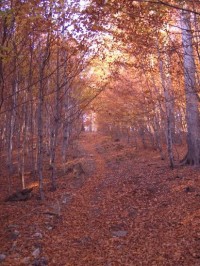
<point x="127" y="208"/>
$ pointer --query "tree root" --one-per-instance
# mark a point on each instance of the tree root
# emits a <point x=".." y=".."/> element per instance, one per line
<point x="187" y="160"/>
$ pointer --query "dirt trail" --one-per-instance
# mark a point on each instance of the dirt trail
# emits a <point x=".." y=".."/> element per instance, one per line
<point x="127" y="213"/>
<point x="130" y="210"/>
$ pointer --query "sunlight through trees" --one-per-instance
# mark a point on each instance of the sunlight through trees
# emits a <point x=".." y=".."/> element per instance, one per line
<point x="134" y="65"/>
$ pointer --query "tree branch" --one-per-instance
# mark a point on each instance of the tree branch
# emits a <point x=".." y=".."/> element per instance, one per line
<point x="172" y="6"/>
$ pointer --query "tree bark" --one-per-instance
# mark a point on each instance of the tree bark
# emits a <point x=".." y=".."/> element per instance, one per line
<point x="192" y="112"/>
<point x="164" y="64"/>
<point x="44" y="57"/>
<point x="55" y="126"/>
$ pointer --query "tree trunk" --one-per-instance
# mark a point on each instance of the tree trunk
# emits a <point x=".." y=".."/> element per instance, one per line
<point x="12" y="120"/>
<point x="66" y="122"/>
<point x="192" y="112"/>
<point x="55" y="126"/>
<point x="157" y="134"/>
<point x="40" y="136"/>
<point x="164" y="65"/>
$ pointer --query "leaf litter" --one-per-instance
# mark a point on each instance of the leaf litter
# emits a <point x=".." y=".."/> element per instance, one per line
<point x="130" y="209"/>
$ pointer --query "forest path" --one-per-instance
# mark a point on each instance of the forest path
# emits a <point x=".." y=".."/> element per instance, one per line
<point x="128" y="209"/>
<point x="132" y="211"/>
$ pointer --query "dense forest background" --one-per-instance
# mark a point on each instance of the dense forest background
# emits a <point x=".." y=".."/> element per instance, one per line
<point x="129" y="69"/>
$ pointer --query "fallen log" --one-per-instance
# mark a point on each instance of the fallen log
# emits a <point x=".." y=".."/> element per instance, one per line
<point x="22" y="195"/>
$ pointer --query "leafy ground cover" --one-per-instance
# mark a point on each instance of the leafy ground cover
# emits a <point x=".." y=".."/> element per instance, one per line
<point x="125" y="207"/>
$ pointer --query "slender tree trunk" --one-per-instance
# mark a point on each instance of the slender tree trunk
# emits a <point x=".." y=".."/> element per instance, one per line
<point x="66" y="122"/>
<point x="31" y="111"/>
<point x="1" y="84"/>
<point x="24" y="142"/>
<point x="55" y="126"/>
<point x="40" y="136"/>
<point x="12" y="121"/>
<point x="157" y="123"/>
<point x="44" y="58"/>
<point x="158" y="136"/>
<point x="164" y="65"/>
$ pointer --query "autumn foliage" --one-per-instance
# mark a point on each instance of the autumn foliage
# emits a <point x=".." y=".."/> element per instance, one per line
<point x="128" y="71"/>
